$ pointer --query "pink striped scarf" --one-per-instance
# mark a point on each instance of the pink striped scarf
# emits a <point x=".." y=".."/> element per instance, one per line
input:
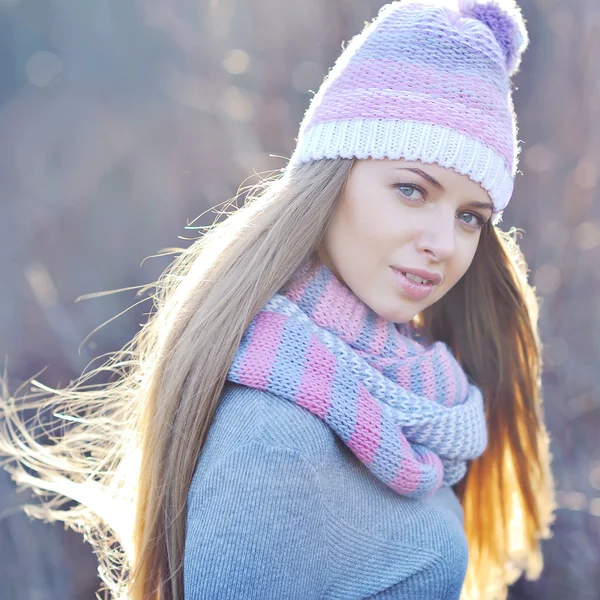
<point x="405" y="409"/>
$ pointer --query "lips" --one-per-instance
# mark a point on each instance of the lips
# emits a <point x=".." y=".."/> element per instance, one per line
<point x="410" y="288"/>
<point x="432" y="278"/>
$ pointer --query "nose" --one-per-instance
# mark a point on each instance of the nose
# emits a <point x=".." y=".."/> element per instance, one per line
<point x="437" y="236"/>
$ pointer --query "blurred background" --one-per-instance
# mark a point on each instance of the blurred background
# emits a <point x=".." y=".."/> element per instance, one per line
<point x="122" y="121"/>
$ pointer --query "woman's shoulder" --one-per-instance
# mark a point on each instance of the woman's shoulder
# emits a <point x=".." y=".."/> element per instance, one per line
<point x="274" y="482"/>
<point x="249" y="416"/>
<point x="254" y="423"/>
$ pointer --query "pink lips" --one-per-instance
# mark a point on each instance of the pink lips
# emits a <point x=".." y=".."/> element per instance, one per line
<point x="415" y="290"/>
<point x="434" y="278"/>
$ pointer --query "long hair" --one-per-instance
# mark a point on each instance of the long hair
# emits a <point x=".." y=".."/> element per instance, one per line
<point x="126" y="450"/>
<point x="489" y="319"/>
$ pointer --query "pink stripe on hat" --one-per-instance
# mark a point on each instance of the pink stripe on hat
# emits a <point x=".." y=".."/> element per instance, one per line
<point x="467" y="119"/>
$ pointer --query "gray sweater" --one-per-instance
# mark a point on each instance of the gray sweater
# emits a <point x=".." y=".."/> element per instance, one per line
<point x="279" y="508"/>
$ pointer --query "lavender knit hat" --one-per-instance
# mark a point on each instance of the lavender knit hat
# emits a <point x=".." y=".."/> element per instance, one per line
<point x="430" y="81"/>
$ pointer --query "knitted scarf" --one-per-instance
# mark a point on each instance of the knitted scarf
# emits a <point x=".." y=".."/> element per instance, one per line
<point x="405" y="409"/>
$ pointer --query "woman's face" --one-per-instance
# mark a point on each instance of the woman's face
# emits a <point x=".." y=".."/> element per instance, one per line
<point x="398" y="217"/>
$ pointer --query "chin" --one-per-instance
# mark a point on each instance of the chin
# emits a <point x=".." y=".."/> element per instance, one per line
<point x="397" y="313"/>
<point x="404" y="316"/>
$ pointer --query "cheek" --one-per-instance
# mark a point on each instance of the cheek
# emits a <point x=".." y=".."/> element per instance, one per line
<point x="339" y="235"/>
<point x="360" y="226"/>
<point x="464" y="259"/>
<point x="374" y="223"/>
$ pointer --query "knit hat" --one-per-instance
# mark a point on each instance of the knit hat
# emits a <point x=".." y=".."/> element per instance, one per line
<point x="430" y="81"/>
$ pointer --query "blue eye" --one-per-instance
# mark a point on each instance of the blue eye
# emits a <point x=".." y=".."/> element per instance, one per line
<point x="408" y="189"/>
<point x="476" y="221"/>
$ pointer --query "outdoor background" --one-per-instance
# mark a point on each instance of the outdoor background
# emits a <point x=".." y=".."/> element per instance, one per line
<point x="122" y="120"/>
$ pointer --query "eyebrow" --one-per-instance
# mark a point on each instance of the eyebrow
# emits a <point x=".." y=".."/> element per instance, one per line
<point x="439" y="186"/>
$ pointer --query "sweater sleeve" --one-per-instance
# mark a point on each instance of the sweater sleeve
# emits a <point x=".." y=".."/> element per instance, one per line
<point x="254" y="528"/>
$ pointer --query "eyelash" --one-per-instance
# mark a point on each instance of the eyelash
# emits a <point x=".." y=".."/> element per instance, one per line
<point x="480" y="220"/>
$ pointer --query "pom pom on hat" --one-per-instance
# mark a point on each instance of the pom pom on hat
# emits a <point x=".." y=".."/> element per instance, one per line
<point x="506" y="23"/>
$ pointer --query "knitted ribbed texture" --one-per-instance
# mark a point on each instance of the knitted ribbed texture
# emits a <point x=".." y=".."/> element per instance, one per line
<point x="425" y="81"/>
<point x="280" y="509"/>
<point x="407" y="411"/>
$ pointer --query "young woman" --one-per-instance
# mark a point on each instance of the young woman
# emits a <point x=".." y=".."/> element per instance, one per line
<point x="339" y="390"/>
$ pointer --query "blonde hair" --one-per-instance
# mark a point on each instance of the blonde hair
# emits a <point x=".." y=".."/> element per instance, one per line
<point x="126" y="451"/>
